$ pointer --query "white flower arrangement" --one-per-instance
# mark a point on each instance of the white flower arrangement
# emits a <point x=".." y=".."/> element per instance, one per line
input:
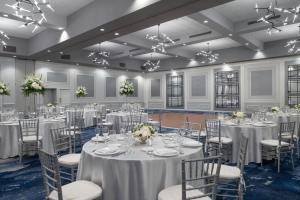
<point x="126" y="88"/>
<point x="143" y="132"/>
<point x="33" y="84"/>
<point x="297" y="106"/>
<point x="4" y="90"/>
<point x="238" y="115"/>
<point x="81" y="92"/>
<point x="275" y="109"/>
<point x="50" y="105"/>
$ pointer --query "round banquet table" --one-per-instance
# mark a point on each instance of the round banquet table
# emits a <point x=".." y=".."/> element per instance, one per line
<point x="9" y="132"/>
<point x="255" y="135"/>
<point x="135" y="175"/>
<point x="118" y="118"/>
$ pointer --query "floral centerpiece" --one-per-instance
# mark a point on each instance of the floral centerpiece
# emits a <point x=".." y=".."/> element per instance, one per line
<point x="4" y="91"/>
<point x="33" y="84"/>
<point x="126" y="89"/>
<point x="50" y="105"/>
<point x="297" y="106"/>
<point x="275" y="109"/>
<point x="143" y="132"/>
<point x="238" y="116"/>
<point x="81" y="92"/>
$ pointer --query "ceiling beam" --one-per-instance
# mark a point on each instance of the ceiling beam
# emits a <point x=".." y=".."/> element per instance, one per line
<point x="220" y="24"/>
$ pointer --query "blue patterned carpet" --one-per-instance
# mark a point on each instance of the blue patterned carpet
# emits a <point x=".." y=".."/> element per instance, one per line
<point x="24" y="182"/>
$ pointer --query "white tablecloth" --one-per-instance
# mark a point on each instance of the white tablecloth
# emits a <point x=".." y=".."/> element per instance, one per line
<point x="118" y="118"/>
<point x="133" y="176"/>
<point x="255" y="136"/>
<point x="9" y="136"/>
<point x="285" y="117"/>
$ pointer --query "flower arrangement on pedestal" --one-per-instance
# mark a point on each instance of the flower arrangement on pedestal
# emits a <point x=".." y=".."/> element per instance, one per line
<point x="275" y="109"/>
<point x="33" y="84"/>
<point x="126" y="89"/>
<point x="143" y="132"/>
<point x="81" y="92"/>
<point x="4" y="90"/>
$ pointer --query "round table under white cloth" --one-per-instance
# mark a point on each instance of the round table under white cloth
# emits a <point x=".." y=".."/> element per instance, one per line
<point x="133" y="176"/>
<point x="117" y="118"/>
<point x="255" y="135"/>
<point x="9" y="136"/>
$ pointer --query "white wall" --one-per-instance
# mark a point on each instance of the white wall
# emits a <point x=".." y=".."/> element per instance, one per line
<point x="248" y="101"/>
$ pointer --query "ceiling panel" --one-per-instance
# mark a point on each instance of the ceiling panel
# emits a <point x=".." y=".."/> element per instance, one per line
<point x="111" y="47"/>
<point x="217" y="44"/>
<point x="177" y="28"/>
<point x="13" y="28"/>
<point x="151" y="56"/>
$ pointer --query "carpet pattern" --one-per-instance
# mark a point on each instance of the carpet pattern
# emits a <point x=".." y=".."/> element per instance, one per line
<point x="24" y="182"/>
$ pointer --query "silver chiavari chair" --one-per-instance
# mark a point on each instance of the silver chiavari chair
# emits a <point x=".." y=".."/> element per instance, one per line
<point x="135" y="119"/>
<point x="156" y="123"/>
<point x="194" y="131"/>
<point x="62" y="145"/>
<point x="29" y="138"/>
<point x="215" y="143"/>
<point x="199" y="180"/>
<point x="55" y="190"/>
<point x="75" y="124"/>
<point x="275" y="148"/>
<point x="232" y="177"/>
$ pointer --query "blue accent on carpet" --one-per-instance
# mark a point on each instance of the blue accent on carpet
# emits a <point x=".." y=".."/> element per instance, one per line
<point x="24" y="182"/>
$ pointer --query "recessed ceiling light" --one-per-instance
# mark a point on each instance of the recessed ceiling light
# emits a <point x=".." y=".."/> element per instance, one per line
<point x="246" y="43"/>
<point x="77" y="64"/>
<point x="14" y="56"/>
<point x="116" y="33"/>
<point x="102" y="29"/>
<point x="5" y="15"/>
<point x="230" y="34"/>
<point x="49" y="51"/>
<point x="125" y="43"/>
<point x="205" y="21"/>
<point x="48" y="60"/>
<point x="60" y="28"/>
<point x="61" y="53"/>
<point x="184" y="44"/>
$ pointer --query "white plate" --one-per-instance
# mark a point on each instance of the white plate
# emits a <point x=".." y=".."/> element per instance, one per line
<point x="165" y="152"/>
<point x="171" y="145"/>
<point x="108" y="151"/>
<point x="98" y="139"/>
<point x="191" y="143"/>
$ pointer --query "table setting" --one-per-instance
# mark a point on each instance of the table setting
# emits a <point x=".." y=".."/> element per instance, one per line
<point x="129" y="168"/>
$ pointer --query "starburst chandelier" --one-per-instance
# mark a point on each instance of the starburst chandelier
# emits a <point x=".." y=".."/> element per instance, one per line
<point x="292" y="12"/>
<point x="100" y="57"/>
<point x="207" y="56"/>
<point x="161" y="41"/>
<point x="267" y="15"/>
<point x="3" y="38"/>
<point x="31" y="11"/>
<point x="152" y="65"/>
<point x="294" y="45"/>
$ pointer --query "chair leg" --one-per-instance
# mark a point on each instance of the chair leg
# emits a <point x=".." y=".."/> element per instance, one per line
<point x="240" y="191"/>
<point x="292" y="159"/>
<point x="20" y="153"/>
<point x="72" y="174"/>
<point x="298" y="153"/>
<point x="261" y="158"/>
<point x="278" y="162"/>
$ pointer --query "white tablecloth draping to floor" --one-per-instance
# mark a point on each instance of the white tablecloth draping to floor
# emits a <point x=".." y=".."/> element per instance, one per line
<point x="118" y="118"/>
<point x="9" y="136"/>
<point x="135" y="175"/>
<point x="255" y="135"/>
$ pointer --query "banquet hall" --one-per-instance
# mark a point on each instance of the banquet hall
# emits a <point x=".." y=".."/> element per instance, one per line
<point x="149" y="99"/>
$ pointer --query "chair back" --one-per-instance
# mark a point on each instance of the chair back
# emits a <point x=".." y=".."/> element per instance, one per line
<point x="202" y="175"/>
<point x="193" y="130"/>
<point x="51" y="176"/>
<point x="29" y="127"/>
<point x="75" y="118"/>
<point x="242" y="153"/>
<point x="286" y="132"/>
<point x="213" y="130"/>
<point x="61" y="140"/>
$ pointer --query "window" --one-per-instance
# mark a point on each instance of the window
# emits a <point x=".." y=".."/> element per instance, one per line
<point x="175" y="95"/>
<point x="110" y="87"/>
<point x="293" y="85"/>
<point x="227" y="90"/>
<point x="155" y="88"/>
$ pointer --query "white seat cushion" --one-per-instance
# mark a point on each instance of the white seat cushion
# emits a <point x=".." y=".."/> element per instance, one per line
<point x="175" y="193"/>
<point x="69" y="159"/>
<point x="72" y="128"/>
<point x="226" y="172"/>
<point x="273" y="143"/>
<point x="78" y="190"/>
<point x="31" y="138"/>
<point x="107" y="124"/>
<point x="224" y="140"/>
